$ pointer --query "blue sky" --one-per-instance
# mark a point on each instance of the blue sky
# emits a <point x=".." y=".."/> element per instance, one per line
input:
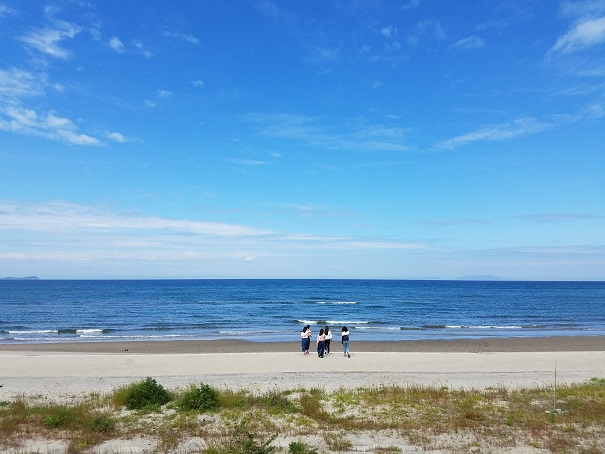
<point x="317" y="139"/>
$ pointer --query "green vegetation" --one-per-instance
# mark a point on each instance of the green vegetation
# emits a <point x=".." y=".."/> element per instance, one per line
<point x="147" y="394"/>
<point x="300" y="447"/>
<point x="198" y="398"/>
<point x="244" y="422"/>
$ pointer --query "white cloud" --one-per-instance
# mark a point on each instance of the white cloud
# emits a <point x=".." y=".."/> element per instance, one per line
<point x="197" y="83"/>
<point x="357" y="135"/>
<point x="116" y="44"/>
<point x="451" y="222"/>
<point x="585" y="33"/>
<point x="6" y="10"/>
<point x="16" y="83"/>
<point x="61" y="216"/>
<point x="558" y="217"/>
<point x="141" y="48"/>
<point x="594" y="110"/>
<point x="96" y="34"/>
<point x="471" y="42"/>
<point x="582" y="8"/>
<point x="429" y="28"/>
<point x="149" y="103"/>
<point x="164" y="94"/>
<point x="27" y="121"/>
<point x="517" y="128"/>
<point x="411" y="4"/>
<point x="388" y="32"/>
<point x="248" y="162"/>
<point x="47" y="40"/>
<point x="182" y="36"/>
<point x="116" y="137"/>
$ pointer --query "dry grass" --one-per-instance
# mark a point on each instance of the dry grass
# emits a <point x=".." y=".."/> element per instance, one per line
<point x="452" y="420"/>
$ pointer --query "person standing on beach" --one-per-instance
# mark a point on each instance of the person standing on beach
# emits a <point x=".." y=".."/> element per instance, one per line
<point x="321" y="343"/>
<point x="345" y="341"/>
<point x="305" y="339"/>
<point x="328" y="335"/>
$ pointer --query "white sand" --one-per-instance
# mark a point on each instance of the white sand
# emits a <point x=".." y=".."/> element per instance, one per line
<point x="60" y="375"/>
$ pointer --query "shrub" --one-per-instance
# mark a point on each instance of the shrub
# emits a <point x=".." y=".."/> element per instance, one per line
<point x="101" y="424"/>
<point x="199" y="398"/>
<point x="55" y="421"/>
<point x="61" y="416"/>
<point x="147" y="393"/>
<point x="274" y="401"/>
<point x="242" y="443"/>
<point x="300" y="447"/>
<point x="250" y="446"/>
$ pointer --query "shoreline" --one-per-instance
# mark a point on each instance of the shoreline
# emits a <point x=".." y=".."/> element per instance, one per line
<point x="482" y="345"/>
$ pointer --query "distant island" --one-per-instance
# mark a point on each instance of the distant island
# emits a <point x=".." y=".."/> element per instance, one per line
<point x="26" y="278"/>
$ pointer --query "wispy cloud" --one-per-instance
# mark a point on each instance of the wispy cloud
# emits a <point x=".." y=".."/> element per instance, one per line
<point x="451" y="222"/>
<point x="141" y="48"/>
<point x="61" y="216"/>
<point x="582" y="8"/>
<point x="48" y="40"/>
<point x="585" y="33"/>
<point x="186" y="37"/>
<point x="516" y="128"/>
<point x="470" y="42"/>
<point x="116" y="137"/>
<point x="388" y="32"/>
<point x="6" y="10"/>
<point x="356" y="135"/>
<point x="430" y="28"/>
<point x="320" y="211"/>
<point x="49" y="125"/>
<point x="558" y="217"/>
<point x="17" y="83"/>
<point x="69" y="232"/>
<point x="16" y="87"/>
<point x="249" y="162"/>
<point x="116" y="44"/>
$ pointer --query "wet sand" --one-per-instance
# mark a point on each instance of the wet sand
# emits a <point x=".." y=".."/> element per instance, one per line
<point x="521" y="344"/>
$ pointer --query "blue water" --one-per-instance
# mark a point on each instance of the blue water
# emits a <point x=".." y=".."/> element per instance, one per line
<point x="275" y="310"/>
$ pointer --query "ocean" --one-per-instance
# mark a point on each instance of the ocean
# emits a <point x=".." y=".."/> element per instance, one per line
<point x="276" y="310"/>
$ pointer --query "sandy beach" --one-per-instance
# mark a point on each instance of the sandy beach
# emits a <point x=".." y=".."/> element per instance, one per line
<point x="70" y="369"/>
<point x="60" y="373"/>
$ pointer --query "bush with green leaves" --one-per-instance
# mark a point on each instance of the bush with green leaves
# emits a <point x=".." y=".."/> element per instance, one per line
<point x="242" y="443"/>
<point x="198" y="398"/>
<point x="101" y="424"/>
<point x="147" y="393"/>
<point x="300" y="447"/>
<point x="61" y="416"/>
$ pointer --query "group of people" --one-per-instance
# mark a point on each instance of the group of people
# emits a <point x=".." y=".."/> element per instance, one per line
<point x="324" y="339"/>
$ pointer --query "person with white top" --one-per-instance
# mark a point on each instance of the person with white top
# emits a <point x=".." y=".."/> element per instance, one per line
<point x="305" y="339"/>
<point x="321" y="343"/>
<point x="328" y="335"/>
<point x="345" y="341"/>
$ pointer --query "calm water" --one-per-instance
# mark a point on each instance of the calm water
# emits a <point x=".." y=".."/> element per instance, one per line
<point x="275" y="310"/>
